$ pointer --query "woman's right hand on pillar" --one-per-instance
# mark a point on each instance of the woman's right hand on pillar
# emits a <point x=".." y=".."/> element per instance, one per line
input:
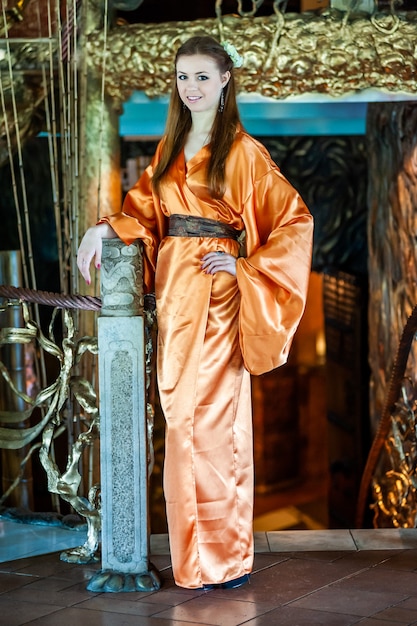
<point x="91" y="247"/>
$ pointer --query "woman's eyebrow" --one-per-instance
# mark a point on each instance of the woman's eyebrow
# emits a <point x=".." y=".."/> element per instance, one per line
<point x="179" y="71"/>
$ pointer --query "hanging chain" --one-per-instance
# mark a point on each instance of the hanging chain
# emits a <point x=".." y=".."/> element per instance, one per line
<point x="280" y="22"/>
<point x="396" y="20"/>
<point x="218" y="9"/>
<point x="355" y="4"/>
<point x="255" y="6"/>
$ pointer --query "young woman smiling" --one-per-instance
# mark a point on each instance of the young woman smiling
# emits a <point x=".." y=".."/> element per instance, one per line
<point x="224" y="309"/>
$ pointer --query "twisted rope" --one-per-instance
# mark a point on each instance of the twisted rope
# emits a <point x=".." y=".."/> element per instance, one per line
<point x="59" y="300"/>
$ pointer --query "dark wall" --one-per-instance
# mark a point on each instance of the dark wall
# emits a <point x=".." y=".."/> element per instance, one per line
<point x="40" y="209"/>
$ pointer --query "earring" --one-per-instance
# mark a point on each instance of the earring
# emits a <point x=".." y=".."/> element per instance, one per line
<point x="184" y="108"/>
<point x="221" y="105"/>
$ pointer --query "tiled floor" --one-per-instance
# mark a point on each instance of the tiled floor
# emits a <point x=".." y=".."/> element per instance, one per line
<point x="301" y="578"/>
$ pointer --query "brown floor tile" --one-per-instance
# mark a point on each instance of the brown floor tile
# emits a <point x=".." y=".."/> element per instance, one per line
<point x="373" y="621"/>
<point x="107" y="603"/>
<point x="410" y="603"/>
<point x="350" y="601"/>
<point x="383" y="579"/>
<point x="291" y="616"/>
<point x="42" y="566"/>
<point x="17" y="614"/>
<point x="170" y="597"/>
<point x="368" y="558"/>
<point x="43" y="591"/>
<point x="262" y="561"/>
<point x="250" y="593"/>
<point x="8" y="582"/>
<point x="52" y="584"/>
<point x="398" y="614"/>
<point x="404" y="561"/>
<point x="75" y="616"/>
<point x="359" y="559"/>
<point x="40" y="560"/>
<point x="328" y="557"/>
<point x="295" y="578"/>
<point x="213" y="610"/>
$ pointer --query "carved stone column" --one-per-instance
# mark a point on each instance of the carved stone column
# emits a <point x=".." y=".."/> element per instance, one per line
<point x="123" y="431"/>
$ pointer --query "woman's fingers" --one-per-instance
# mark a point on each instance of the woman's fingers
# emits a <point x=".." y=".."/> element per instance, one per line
<point x="84" y="267"/>
<point x="90" y="248"/>
<point x="218" y="261"/>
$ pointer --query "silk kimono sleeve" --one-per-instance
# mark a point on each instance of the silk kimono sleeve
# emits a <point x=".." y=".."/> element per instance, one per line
<point x="273" y="278"/>
<point x="142" y="218"/>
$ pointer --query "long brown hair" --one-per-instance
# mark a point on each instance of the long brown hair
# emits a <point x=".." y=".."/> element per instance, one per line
<point x="224" y="126"/>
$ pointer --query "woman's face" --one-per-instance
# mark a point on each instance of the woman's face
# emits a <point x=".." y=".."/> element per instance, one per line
<point x="199" y="82"/>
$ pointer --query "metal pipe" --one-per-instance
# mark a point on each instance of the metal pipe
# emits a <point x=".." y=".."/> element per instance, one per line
<point x="14" y="358"/>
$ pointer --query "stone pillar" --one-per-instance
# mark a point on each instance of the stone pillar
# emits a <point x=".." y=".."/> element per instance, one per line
<point x="123" y="431"/>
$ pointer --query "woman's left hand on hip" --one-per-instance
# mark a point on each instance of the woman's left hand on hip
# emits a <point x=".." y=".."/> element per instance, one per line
<point x="218" y="261"/>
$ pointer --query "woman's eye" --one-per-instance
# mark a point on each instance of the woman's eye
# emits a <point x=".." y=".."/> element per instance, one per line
<point x="181" y="77"/>
<point x="202" y="77"/>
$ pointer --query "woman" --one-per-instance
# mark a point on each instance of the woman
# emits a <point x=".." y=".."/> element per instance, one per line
<point x="221" y="313"/>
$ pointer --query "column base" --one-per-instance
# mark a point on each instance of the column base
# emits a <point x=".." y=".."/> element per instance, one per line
<point x="117" y="582"/>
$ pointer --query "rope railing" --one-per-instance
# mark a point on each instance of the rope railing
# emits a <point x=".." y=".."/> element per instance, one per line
<point x="59" y="300"/>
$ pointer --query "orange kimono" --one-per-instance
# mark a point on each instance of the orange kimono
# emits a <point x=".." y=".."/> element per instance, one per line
<point x="213" y="330"/>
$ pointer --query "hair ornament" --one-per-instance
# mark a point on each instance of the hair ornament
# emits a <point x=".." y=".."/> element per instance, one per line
<point x="233" y="54"/>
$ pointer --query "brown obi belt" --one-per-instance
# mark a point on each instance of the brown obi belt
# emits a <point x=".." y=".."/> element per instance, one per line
<point x="192" y="226"/>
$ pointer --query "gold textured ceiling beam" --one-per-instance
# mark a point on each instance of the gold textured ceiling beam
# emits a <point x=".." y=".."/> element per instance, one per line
<point x="323" y="54"/>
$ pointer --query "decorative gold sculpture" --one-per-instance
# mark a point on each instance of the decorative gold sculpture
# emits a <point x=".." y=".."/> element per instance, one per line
<point x="53" y="401"/>
<point x="285" y="55"/>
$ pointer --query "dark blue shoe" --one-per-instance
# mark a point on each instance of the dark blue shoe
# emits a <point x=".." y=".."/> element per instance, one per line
<point x="206" y="588"/>
<point x="237" y="582"/>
